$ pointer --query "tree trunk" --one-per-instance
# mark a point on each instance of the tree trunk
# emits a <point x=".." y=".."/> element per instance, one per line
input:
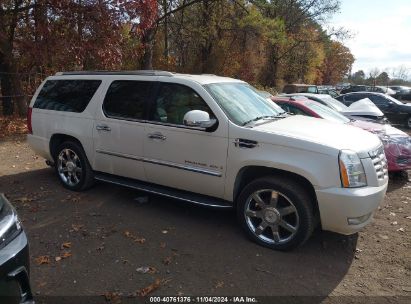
<point x="6" y="92"/>
<point x="148" y="41"/>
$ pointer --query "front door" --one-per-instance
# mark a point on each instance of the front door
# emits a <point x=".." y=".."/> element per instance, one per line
<point x="179" y="156"/>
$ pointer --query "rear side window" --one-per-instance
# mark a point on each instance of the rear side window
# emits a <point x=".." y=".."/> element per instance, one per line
<point x="127" y="99"/>
<point x="66" y="95"/>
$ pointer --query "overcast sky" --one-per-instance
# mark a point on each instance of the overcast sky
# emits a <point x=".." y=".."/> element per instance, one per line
<point x="382" y="32"/>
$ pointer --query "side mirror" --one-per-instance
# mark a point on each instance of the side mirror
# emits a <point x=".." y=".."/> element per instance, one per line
<point x="199" y="119"/>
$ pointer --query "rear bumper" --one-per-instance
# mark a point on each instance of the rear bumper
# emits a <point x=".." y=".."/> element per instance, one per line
<point x="40" y="145"/>
<point x="14" y="272"/>
<point x="338" y="206"/>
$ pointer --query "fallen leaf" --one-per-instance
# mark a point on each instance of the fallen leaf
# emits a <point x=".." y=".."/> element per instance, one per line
<point x="66" y="254"/>
<point x="164" y="231"/>
<point x="76" y="227"/>
<point x="150" y="288"/>
<point x="140" y="240"/>
<point x="112" y="297"/>
<point x="146" y="269"/>
<point x="401" y="230"/>
<point x="394" y="223"/>
<point x="58" y="259"/>
<point x="66" y="245"/>
<point x="219" y="284"/>
<point x="43" y="259"/>
<point x="167" y="260"/>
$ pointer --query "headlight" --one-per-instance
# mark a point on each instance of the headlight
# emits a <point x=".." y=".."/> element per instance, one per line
<point x="351" y="170"/>
<point x="10" y="225"/>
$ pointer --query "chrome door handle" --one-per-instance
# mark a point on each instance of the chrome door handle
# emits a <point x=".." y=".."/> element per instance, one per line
<point x="157" y="136"/>
<point x="103" y="128"/>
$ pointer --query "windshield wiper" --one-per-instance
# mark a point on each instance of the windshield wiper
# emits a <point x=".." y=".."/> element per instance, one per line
<point x="263" y="117"/>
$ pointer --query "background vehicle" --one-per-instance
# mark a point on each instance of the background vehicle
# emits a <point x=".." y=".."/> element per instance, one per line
<point x="382" y="89"/>
<point x="355" y="88"/>
<point x="332" y="92"/>
<point x="401" y="92"/>
<point x="300" y="88"/>
<point x="397" y="144"/>
<point x="211" y="141"/>
<point x="360" y="110"/>
<point x="14" y="258"/>
<point x="395" y="111"/>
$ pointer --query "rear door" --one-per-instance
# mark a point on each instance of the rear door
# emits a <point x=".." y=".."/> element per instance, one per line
<point x="119" y="128"/>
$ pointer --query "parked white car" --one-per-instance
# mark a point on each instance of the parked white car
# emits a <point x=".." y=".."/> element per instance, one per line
<point x="212" y="141"/>
<point x="363" y="109"/>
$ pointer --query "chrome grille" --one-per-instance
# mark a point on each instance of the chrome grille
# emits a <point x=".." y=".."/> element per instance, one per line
<point x="380" y="162"/>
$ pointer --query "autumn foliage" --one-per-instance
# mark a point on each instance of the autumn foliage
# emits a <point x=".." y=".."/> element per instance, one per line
<point x="263" y="42"/>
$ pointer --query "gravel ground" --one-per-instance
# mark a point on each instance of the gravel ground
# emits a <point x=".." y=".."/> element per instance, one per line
<point x="99" y="243"/>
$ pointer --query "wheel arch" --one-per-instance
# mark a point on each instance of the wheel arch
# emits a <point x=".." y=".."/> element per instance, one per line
<point x="249" y="173"/>
<point x="58" y="138"/>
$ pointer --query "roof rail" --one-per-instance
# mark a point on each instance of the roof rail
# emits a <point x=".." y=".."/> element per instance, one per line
<point x="136" y="72"/>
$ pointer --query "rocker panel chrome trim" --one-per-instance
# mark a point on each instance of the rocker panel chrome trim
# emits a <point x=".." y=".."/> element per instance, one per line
<point x="163" y="163"/>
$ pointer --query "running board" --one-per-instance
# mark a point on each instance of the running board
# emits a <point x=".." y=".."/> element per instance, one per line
<point x="186" y="196"/>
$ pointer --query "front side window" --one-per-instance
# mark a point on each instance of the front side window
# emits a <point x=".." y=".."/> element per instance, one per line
<point x="378" y="100"/>
<point x="174" y="101"/>
<point x="127" y="99"/>
<point x="66" y="95"/>
<point x="296" y="111"/>
<point x="241" y="103"/>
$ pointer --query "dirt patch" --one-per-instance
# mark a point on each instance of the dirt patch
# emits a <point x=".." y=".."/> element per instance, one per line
<point x="109" y="242"/>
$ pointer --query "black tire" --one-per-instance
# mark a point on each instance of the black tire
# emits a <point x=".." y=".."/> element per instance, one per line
<point x="85" y="177"/>
<point x="290" y="196"/>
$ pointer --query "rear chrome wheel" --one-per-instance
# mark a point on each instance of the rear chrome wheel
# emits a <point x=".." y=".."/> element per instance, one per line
<point x="271" y="216"/>
<point x="72" y="166"/>
<point x="69" y="167"/>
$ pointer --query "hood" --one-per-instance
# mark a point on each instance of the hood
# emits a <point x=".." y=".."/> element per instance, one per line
<point x="363" y="107"/>
<point x="323" y="132"/>
<point x="377" y="128"/>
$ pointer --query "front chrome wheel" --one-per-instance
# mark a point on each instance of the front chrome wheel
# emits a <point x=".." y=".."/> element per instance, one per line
<point x="271" y="216"/>
<point x="69" y="167"/>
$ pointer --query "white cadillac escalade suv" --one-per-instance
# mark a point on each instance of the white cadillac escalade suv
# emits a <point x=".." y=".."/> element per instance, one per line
<point x="212" y="141"/>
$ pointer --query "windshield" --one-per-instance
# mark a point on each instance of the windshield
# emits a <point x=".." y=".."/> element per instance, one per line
<point x="326" y="112"/>
<point x="241" y="102"/>
<point x="334" y="103"/>
<point x="393" y="99"/>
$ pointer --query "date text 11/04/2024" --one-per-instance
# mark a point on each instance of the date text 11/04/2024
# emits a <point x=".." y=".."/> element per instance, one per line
<point x="203" y="299"/>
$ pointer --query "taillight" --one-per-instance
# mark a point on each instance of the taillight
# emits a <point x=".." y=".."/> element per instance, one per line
<point x="29" y="127"/>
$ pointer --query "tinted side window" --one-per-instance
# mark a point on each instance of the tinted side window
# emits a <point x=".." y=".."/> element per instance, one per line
<point x="127" y="99"/>
<point x="174" y="101"/>
<point x="354" y="97"/>
<point x="297" y="111"/>
<point x="378" y="100"/>
<point x="66" y="95"/>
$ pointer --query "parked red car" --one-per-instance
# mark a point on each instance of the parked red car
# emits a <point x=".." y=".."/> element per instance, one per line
<point x="397" y="144"/>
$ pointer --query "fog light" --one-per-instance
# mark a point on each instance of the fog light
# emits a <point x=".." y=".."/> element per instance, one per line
<point x="358" y="220"/>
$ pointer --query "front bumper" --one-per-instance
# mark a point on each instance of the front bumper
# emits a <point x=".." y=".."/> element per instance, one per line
<point x="14" y="268"/>
<point x="338" y="205"/>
